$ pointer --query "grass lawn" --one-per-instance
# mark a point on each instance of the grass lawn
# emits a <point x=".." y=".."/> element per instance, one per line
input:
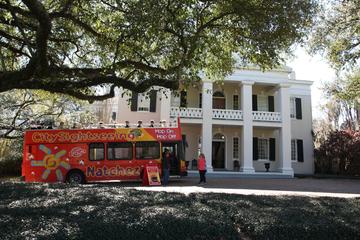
<point x="108" y="211"/>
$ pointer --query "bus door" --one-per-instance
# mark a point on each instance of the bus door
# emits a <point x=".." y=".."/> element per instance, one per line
<point x="120" y="161"/>
<point x="175" y="152"/>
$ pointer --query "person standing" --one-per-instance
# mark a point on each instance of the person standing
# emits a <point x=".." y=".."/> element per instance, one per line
<point x="165" y="167"/>
<point x="202" y="168"/>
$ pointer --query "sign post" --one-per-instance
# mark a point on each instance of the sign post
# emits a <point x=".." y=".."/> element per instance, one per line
<point x="151" y="176"/>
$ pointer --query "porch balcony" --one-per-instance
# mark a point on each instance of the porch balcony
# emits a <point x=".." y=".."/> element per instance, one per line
<point x="266" y="116"/>
<point x="224" y="114"/>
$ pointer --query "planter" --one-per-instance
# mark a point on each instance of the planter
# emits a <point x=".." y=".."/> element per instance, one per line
<point x="267" y="166"/>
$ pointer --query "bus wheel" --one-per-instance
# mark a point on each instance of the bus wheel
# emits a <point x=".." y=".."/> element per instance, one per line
<point x="75" y="177"/>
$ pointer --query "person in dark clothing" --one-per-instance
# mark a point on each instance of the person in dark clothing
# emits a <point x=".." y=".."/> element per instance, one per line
<point x="165" y="163"/>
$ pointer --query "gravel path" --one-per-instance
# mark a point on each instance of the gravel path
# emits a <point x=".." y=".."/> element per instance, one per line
<point x="311" y="187"/>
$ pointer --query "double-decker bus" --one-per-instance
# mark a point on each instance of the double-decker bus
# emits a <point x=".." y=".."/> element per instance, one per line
<point x="102" y="154"/>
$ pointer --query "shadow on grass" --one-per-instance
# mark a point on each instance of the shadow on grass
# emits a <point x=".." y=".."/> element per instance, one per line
<point x="108" y="211"/>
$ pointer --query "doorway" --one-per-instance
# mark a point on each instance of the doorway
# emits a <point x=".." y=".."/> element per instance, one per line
<point x="176" y="153"/>
<point x="218" y="151"/>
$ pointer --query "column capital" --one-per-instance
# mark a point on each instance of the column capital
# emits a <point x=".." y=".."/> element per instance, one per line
<point x="247" y="82"/>
<point x="283" y="85"/>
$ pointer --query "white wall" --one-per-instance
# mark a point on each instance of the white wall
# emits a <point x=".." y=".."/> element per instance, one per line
<point x="301" y="129"/>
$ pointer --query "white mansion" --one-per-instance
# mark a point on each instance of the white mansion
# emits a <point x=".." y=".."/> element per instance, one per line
<point x="250" y="119"/>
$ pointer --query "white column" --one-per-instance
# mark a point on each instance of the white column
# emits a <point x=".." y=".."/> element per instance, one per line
<point x="165" y="104"/>
<point x="206" y="137"/>
<point x="247" y="132"/>
<point x="285" y="131"/>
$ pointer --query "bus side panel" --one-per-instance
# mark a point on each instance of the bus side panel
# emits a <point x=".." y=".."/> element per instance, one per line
<point x="51" y="162"/>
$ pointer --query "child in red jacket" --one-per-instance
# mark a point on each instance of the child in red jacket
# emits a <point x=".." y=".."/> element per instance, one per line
<point x="202" y="168"/>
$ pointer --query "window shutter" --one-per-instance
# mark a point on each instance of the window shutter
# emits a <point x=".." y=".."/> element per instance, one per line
<point x="254" y="103"/>
<point x="272" y="149"/>
<point x="153" y="100"/>
<point x="255" y="149"/>
<point x="300" y="150"/>
<point x="271" y="103"/>
<point x="236" y="102"/>
<point x="298" y="108"/>
<point x="200" y="100"/>
<point x="134" y="101"/>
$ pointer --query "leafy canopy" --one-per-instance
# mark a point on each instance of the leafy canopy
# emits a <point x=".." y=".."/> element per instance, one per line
<point x="337" y="33"/>
<point x="70" y="47"/>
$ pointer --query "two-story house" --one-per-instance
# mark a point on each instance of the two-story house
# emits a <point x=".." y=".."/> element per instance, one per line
<point x="249" y="119"/>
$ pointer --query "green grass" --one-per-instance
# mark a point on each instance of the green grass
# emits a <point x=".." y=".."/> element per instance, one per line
<point x="108" y="211"/>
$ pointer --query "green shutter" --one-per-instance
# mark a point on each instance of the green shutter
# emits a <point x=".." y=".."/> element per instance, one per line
<point x="272" y="147"/>
<point x="254" y="103"/>
<point x="300" y="150"/>
<point x="271" y="103"/>
<point x="134" y="101"/>
<point x="255" y="149"/>
<point x="298" y="108"/>
<point x="153" y="94"/>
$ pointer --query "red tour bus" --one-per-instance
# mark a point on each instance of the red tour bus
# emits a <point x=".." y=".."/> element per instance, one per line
<point x="90" y="155"/>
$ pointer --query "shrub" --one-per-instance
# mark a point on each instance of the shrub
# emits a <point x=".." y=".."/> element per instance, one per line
<point x="339" y="153"/>
<point x="11" y="166"/>
<point x="11" y="157"/>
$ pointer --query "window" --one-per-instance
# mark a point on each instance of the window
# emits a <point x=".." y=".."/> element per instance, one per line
<point x="235" y="148"/>
<point x="293" y="150"/>
<point x="147" y="150"/>
<point x="183" y="99"/>
<point x="119" y="151"/>
<point x="292" y="108"/>
<point x="263" y="149"/>
<point x="262" y="102"/>
<point x="96" y="151"/>
<point x="143" y="102"/>
<point x="236" y="102"/>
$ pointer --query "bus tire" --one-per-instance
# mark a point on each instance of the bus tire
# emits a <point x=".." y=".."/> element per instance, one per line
<point x="75" y="177"/>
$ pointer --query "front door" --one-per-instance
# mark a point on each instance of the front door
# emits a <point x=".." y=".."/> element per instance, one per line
<point x="218" y="155"/>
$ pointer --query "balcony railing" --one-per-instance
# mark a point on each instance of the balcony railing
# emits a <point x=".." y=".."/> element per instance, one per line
<point x="266" y="116"/>
<point x="227" y="114"/>
<point x="186" y="112"/>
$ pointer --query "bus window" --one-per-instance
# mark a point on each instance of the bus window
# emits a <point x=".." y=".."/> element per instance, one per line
<point x="147" y="150"/>
<point x="119" y="151"/>
<point x="96" y="151"/>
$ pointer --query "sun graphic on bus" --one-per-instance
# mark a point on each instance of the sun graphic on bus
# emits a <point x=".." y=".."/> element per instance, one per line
<point x="51" y="162"/>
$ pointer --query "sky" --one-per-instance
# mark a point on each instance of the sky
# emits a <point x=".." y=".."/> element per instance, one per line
<point x="314" y="68"/>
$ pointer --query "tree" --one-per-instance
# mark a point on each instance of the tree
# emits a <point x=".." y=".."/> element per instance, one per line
<point x="344" y="99"/>
<point x="71" y="47"/>
<point x="24" y="109"/>
<point x="337" y="32"/>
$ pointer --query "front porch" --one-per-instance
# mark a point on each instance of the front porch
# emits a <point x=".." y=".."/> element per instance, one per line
<point x="227" y="144"/>
<point x="237" y="174"/>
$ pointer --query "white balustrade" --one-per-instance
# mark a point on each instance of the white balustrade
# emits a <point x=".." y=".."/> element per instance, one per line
<point x="227" y="114"/>
<point x="266" y="116"/>
<point x="186" y="112"/>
